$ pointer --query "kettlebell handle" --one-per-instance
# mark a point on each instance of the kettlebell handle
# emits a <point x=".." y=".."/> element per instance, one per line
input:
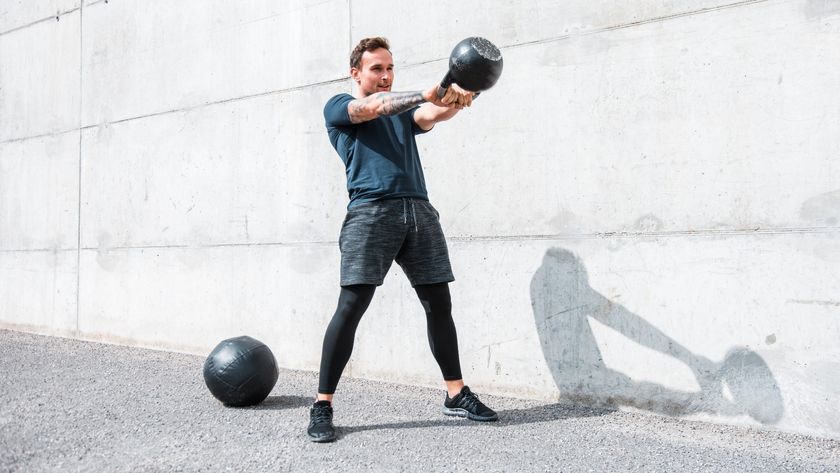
<point x="445" y="83"/>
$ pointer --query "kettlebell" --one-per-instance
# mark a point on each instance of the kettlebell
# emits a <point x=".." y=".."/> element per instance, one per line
<point x="475" y="64"/>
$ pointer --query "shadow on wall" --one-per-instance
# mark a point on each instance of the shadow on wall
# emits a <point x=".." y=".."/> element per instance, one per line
<point x="563" y="302"/>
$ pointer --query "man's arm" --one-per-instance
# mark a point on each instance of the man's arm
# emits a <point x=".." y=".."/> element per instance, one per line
<point x="427" y="115"/>
<point x="393" y="103"/>
<point x="431" y="113"/>
<point x="382" y="103"/>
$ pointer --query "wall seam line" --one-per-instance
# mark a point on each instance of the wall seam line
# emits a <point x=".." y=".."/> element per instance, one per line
<point x="79" y="181"/>
<point x="178" y="110"/>
<point x="659" y="19"/>
<point x="350" y="37"/>
<point x="42" y="20"/>
<point x="469" y="239"/>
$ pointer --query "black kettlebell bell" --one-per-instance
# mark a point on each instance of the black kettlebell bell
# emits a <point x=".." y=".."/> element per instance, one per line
<point x="475" y="64"/>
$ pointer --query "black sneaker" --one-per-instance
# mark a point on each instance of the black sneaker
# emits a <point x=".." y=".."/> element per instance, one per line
<point x="466" y="404"/>
<point x="320" y="422"/>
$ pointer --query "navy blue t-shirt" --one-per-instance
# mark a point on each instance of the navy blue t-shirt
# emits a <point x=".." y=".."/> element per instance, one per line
<point x="380" y="155"/>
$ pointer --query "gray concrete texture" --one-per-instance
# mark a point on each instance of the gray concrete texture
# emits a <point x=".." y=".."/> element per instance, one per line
<point x="71" y="406"/>
<point x="643" y="213"/>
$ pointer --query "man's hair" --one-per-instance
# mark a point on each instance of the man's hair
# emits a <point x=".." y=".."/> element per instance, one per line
<point x="367" y="44"/>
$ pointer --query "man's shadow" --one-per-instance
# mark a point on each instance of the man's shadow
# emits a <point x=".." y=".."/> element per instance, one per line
<point x="563" y="302"/>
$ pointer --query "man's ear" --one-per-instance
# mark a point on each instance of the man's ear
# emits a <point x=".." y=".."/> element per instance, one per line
<point x="354" y="73"/>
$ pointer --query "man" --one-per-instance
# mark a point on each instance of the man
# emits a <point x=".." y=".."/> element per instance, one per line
<point x="389" y="218"/>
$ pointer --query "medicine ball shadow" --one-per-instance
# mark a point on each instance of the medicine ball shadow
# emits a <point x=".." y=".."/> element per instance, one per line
<point x="240" y="371"/>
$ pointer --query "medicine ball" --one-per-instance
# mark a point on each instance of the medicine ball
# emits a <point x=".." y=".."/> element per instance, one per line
<point x="240" y="371"/>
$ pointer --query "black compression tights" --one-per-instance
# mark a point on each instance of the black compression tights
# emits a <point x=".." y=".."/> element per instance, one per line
<point x="352" y="303"/>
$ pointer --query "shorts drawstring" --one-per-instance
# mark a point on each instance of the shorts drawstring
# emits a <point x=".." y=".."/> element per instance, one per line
<point x="414" y="216"/>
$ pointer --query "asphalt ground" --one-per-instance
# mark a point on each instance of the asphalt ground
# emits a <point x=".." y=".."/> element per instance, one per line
<point x="68" y="405"/>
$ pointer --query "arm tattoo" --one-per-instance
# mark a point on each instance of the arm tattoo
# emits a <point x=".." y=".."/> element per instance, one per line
<point x="357" y="107"/>
<point x="389" y="103"/>
<point x="394" y="103"/>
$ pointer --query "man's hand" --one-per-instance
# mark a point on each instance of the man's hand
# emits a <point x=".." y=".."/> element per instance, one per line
<point x="455" y="97"/>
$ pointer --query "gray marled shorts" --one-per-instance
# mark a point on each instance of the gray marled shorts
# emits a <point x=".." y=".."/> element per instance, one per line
<point x="406" y="230"/>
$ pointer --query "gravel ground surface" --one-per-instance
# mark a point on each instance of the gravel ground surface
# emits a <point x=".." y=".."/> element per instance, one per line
<point x="67" y="405"/>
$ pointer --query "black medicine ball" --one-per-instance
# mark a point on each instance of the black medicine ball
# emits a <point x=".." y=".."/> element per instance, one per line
<point x="240" y="371"/>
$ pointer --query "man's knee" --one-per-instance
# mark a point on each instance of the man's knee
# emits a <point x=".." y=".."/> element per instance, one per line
<point x="435" y="298"/>
<point x="355" y="299"/>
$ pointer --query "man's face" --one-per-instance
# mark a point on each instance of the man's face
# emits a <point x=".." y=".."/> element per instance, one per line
<point x="376" y="73"/>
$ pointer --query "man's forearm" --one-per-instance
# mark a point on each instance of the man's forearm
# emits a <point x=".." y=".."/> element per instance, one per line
<point x="442" y="114"/>
<point x="393" y="103"/>
<point x="383" y="103"/>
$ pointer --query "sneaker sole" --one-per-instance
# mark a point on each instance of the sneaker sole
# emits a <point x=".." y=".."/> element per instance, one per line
<point x="322" y="439"/>
<point x="469" y="415"/>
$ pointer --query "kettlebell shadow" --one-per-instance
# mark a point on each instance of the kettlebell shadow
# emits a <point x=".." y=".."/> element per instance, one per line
<point x="563" y="302"/>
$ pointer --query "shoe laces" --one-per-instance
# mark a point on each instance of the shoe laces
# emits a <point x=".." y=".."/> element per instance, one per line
<point x="321" y="414"/>
<point x="470" y="400"/>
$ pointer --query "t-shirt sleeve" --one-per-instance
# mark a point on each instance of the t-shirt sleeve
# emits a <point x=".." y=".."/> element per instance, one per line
<point x="335" y="111"/>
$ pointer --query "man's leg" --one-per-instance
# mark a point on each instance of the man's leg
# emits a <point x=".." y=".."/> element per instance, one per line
<point x="338" y="345"/>
<point x="443" y="338"/>
<point x="341" y="332"/>
<point x="370" y="237"/>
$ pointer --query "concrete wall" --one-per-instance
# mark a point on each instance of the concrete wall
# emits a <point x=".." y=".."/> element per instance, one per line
<point x="644" y="212"/>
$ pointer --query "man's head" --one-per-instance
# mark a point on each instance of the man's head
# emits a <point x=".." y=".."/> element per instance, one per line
<point x="372" y="66"/>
